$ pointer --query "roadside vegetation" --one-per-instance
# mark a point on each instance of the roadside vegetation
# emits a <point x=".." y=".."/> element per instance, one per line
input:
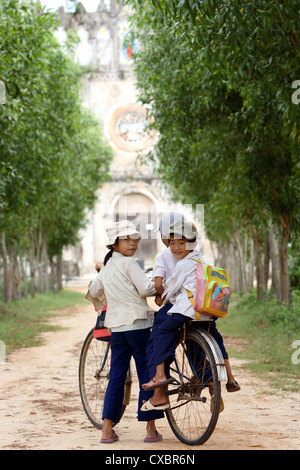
<point x="267" y="336"/>
<point x="53" y="153"/>
<point x="217" y="79"/>
<point x="22" y="321"/>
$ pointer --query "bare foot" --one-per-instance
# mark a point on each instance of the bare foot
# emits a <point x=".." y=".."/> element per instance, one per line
<point x="151" y="430"/>
<point x="157" y="401"/>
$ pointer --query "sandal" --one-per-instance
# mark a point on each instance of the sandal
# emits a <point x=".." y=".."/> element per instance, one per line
<point x="154" y="383"/>
<point x="114" y="438"/>
<point x="147" y="406"/>
<point x="212" y="405"/>
<point x="233" y="386"/>
<point x="154" y="439"/>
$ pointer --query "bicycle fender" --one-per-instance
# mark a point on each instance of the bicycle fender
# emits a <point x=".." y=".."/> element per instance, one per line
<point x="222" y="374"/>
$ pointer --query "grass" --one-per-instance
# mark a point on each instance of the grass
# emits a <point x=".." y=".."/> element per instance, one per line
<point x="267" y="331"/>
<point x="22" y="321"/>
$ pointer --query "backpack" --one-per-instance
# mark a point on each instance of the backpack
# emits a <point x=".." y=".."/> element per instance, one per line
<point x="213" y="291"/>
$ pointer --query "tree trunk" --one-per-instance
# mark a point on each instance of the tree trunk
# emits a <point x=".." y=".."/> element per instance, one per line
<point x="284" y="268"/>
<point x="15" y="277"/>
<point x="53" y="276"/>
<point x="5" y="268"/>
<point x="239" y="263"/>
<point x="32" y="264"/>
<point x="260" y="287"/>
<point x="266" y="263"/>
<point x="24" y="277"/>
<point x="274" y="256"/>
<point x="251" y="265"/>
<point x="59" y="272"/>
<point x="46" y="266"/>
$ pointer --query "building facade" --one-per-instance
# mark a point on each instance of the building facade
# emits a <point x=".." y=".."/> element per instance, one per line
<point x="108" y="88"/>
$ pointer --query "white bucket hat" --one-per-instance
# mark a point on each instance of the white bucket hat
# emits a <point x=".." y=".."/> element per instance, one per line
<point x="121" y="229"/>
<point x="168" y="219"/>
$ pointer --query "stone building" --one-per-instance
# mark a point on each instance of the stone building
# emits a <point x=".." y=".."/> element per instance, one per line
<point x="134" y="192"/>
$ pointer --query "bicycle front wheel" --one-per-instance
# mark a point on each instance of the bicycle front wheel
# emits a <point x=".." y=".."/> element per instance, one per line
<point x="94" y="368"/>
<point x="195" y="396"/>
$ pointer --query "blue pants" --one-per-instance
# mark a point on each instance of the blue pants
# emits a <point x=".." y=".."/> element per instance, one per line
<point x="162" y="341"/>
<point x="124" y="345"/>
<point x="218" y="337"/>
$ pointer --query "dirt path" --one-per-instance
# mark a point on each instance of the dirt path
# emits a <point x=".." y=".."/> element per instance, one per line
<point x="40" y="407"/>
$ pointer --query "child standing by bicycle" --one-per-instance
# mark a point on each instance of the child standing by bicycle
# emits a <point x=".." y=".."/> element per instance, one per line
<point x="128" y="316"/>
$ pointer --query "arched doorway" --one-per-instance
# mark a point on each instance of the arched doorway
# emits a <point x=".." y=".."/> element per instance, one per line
<point x="141" y="210"/>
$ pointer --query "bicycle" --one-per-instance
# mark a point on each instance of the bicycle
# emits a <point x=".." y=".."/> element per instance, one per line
<point x="94" y="366"/>
<point x="195" y="395"/>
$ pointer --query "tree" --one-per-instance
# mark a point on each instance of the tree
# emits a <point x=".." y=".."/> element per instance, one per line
<point x="216" y="75"/>
<point x="53" y="155"/>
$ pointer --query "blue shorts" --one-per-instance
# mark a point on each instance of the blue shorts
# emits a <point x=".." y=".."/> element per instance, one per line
<point x="162" y="341"/>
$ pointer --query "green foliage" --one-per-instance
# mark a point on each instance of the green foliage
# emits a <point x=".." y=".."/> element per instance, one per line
<point x="53" y="156"/>
<point x="268" y="330"/>
<point x="294" y="263"/>
<point x="22" y="321"/>
<point x="218" y="77"/>
<point x="273" y="314"/>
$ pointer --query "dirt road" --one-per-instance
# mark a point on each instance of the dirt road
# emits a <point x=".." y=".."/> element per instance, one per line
<point x="40" y="407"/>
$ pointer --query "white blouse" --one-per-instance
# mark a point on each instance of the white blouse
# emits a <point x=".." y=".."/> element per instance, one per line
<point x="184" y="277"/>
<point x="164" y="265"/>
<point x="125" y="287"/>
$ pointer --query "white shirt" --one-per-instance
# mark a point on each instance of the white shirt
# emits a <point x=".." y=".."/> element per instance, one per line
<point x="184" y="277"/>
<point x="164" y="266"/>
<point x="125" y="286"/>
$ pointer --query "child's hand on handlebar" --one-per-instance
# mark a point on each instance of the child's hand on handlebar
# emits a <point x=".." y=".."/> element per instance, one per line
<point x="98" y="267"/>
<point x="158" y="300"/>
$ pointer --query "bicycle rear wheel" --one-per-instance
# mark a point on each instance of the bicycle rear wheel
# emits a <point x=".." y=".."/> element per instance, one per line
<point x="94" y="368"/>
<point x="193" y="414"/>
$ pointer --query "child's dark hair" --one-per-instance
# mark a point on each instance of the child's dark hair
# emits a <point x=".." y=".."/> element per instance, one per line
<point x="109" y="254"/>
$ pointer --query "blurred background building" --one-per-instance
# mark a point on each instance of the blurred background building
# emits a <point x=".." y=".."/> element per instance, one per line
<point x="108" y="87"/>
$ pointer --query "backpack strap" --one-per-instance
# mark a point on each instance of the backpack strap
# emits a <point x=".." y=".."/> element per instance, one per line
<point x="197" y="260"/>
<point x="190" y="296"/>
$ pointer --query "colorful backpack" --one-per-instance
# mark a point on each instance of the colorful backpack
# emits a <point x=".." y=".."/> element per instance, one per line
<point x="213" y="291"/>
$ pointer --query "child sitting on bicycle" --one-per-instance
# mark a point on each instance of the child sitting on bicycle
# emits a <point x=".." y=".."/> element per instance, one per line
<point x="125" y="287"/>
<point x="161" y="346"/>
<point x="163" y="269"/>
<point x="165" y="261"/>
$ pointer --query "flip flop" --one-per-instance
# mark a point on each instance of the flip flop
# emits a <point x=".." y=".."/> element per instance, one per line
<point x="111" y="440"/>
<point x="154" y="439"/>
<point x="212" y="405"/>
<point x="156" y="383"/>
<point x="149" y="407"/>
<point x="233" y="386"/>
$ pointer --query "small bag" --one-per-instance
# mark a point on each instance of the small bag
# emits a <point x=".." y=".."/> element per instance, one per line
<point x="100" y="331"/>
<point x="213" y="291"/>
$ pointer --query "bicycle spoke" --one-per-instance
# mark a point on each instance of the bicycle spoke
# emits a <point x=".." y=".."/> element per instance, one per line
<point x="191" y="416"/>
<point x="94" y="368"/>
